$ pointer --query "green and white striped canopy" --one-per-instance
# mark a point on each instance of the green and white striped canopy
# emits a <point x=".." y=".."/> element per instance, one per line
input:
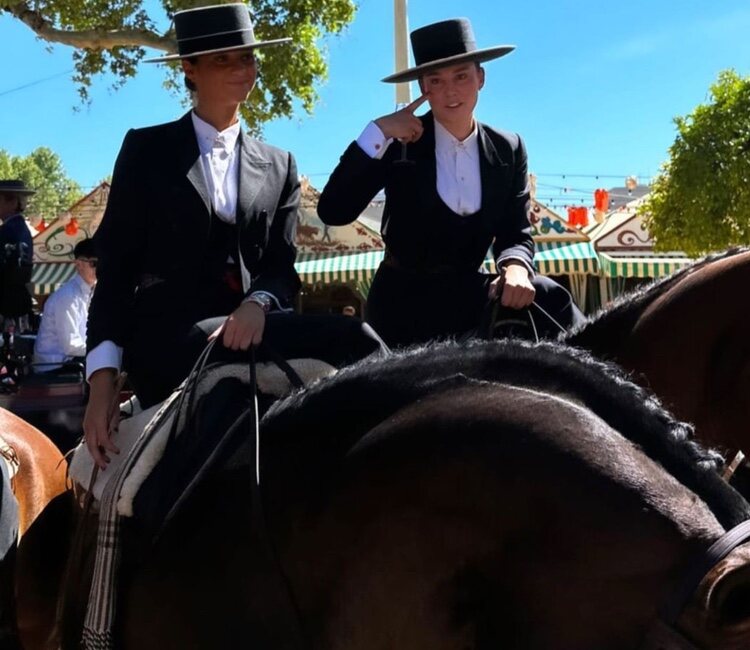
<point x="566" y="258"/>
<point x="47" y="277"/>
<point x="645" y="266"/>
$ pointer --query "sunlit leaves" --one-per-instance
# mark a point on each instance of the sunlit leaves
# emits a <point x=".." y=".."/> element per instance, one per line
<point x="42" y="171"/>
<point x="701" y="200"/>
<point x="289" y="74"/>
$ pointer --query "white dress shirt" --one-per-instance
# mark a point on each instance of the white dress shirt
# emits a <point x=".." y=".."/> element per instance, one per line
<point x="220" y="160"/>
<point x="459" y="178"/>
<point x="62" y="332"/>
<point x="219" y="154"/>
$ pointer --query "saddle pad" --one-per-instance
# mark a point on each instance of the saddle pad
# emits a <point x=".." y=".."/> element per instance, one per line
<point x="271" y="381"/>
<point x="82" y="464"/>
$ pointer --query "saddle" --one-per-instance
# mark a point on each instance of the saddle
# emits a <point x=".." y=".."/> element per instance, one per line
<point x="156" y="423"/>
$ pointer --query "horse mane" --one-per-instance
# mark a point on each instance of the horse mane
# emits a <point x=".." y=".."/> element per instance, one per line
<point x="370" y="391"/>
<point x="617" y="320"/>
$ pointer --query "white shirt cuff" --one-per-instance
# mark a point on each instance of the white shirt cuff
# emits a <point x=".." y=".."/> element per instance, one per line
<point x="373" y="142"/>
<point x="502" y="260"/>
<point x="104" y="355"/>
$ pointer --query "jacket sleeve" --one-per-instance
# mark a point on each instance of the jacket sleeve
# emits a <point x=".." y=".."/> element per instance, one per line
<point x="119" y="239"/>
<point x="275" y="273"/>
<point x="513" y="239"/>
<point x="352" y="185"/>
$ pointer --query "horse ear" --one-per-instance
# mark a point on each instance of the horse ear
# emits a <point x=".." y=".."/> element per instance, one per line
<point x="729" y="601"/>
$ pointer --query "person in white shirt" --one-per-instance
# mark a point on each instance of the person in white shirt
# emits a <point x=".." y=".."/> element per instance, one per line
<point x="62" y="331"/>
<point x="454" y="187"/>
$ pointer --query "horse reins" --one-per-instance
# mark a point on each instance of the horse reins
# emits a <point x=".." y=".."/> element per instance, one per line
<point x="295" y="630"/>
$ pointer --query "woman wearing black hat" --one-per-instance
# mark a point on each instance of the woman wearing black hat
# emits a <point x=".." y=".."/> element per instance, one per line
<point x="199" y="223"/>
<point x="453" y="188"/>
<point x="16" y="253"/>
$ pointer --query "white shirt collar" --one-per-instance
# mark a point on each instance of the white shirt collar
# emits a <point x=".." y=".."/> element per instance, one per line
<point x="210" y="138"/>
<point x="445" y="140"/>
<point x="84" y="287"/>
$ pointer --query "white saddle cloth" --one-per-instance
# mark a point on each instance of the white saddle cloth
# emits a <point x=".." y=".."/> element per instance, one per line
<point x="271" y="381"/>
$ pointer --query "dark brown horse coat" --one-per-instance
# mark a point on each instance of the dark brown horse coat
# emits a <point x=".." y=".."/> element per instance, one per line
<point x="491" y="496"/>
<point x="687" y="338"/>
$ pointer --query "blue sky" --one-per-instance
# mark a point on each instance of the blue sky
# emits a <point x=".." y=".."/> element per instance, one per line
<point x="593" y="87"/>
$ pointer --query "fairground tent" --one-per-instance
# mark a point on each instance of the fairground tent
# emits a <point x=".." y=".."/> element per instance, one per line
<point x="53" y="247"/>
<point x="625" y="250"/>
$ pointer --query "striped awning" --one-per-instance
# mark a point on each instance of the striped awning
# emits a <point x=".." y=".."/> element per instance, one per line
<point x="566" y="258"/>
<point x="47" y="277"/>
<point x="343" y="267"/>
<point x="552" y="258"/>
<point x="646" y="266"/>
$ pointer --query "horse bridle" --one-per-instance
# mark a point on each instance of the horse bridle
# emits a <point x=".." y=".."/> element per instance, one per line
<point x="663" y="633"/>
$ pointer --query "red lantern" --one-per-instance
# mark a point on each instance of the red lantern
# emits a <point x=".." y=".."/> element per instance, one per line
<point x="578" y="216"/>
<point x="601" y="200"/>
<point x="41" y="226"/>
<point x="72" y="227"/>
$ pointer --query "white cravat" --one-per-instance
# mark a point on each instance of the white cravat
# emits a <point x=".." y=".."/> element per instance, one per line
<point x="459" y="181"/>
<point x="220" y="161"/>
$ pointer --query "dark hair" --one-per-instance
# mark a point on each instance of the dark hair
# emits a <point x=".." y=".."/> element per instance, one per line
<point x="85" y="248"/>
<point x="189" y="84"/>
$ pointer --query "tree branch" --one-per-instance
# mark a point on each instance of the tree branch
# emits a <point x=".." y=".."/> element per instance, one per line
<point x="90" y="39"/>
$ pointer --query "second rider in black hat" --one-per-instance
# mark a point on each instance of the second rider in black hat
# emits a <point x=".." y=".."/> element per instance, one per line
<point x="456" y="188"/>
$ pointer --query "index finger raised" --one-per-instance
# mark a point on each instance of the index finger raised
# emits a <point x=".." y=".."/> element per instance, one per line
<point x="417" y="103"/>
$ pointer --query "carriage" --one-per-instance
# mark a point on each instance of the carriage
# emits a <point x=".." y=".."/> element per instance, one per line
<point x="53" y="402"/>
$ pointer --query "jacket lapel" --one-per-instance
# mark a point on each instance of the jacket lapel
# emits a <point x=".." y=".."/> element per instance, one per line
<point x="189" y="159"/>
<point x="253" y="170"/>
<point x="493" y="171"/>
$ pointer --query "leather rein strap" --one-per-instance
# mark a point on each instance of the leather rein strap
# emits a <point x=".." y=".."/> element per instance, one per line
<point x="663" y="634"/>
<point x="294" y="630"/>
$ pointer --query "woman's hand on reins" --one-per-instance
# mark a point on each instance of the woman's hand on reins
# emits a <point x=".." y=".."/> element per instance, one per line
<point x="98" y="422"/>
<point x="514" y="287"/>
<point x="243" y="327"/>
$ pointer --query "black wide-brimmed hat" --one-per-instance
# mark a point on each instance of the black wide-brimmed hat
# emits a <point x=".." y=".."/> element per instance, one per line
<point x="442" y="44"/>
<point x="218" y="28"/>
<point x="15" y="187"/>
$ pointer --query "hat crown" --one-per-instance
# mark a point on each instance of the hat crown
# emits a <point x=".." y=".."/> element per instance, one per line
<point x="213" y="20"/>
<point x="442" y="40"/>
<point x="212" y="28"/>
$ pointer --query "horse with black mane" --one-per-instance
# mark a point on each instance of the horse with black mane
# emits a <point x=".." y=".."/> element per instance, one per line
<point x="687" y="338"/>
<point x="488" y="495"/>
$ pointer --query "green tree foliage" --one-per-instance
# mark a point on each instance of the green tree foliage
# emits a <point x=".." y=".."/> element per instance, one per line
<point x="110" y="36"/>
<point x="700" y="202"/>
<point x="43" y="171"/>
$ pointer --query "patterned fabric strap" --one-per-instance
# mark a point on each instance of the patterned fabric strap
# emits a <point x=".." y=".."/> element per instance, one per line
<point x="100" y="614"/>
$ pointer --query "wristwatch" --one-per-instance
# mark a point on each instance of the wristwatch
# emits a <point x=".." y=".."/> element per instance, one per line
<point x="261" y="299"/>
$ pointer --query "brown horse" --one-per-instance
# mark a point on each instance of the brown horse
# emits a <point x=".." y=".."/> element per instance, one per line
<point x="40" y="477"/>
<point x="687" y="338"/>
<point x="495" y="495"/>
<point x="41" y="474"/>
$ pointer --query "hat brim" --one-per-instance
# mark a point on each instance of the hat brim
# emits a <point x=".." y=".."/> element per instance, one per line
<point x="480" y="56"/>
<point x="245" y="46"/>
<point x="13" y="190"/>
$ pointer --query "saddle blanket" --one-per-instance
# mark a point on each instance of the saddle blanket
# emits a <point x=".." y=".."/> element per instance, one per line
<point x="271" y="381"/>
